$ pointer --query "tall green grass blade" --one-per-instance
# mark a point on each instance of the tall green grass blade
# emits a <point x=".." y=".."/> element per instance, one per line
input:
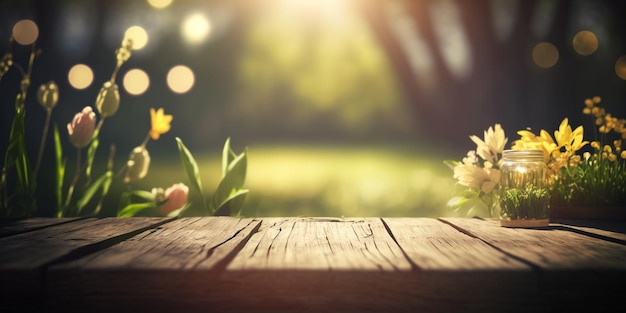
<point x="60" y="171"/>
<point x="103" y="182"/>
<point x="91" y="154"/>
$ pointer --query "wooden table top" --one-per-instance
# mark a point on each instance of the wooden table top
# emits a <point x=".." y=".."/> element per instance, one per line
<point x="298" y="264"/>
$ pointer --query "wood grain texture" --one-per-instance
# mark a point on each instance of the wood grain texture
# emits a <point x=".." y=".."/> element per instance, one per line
<point x="426" y="265"/>
<point x="321" y="244"/>
<point x="610" y="230"/>
<point x="9" y="227"/>
<point x="549" y="248"/>
<point x="171" y="268"/>
<point x="575" y="271"/>
<point x="228" y="264"/>
<point x="24" y="258"/>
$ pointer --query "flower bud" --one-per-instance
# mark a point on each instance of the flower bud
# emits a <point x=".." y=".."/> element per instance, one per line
<point x="82" y="127"/>
<point x="123" y="53"/>
<point x="108" y="100"/>
<point x="175" y="197"/>
<point x="5" y="63"/>
<point x="48" y="95"/>
<point x="137" y="165"/>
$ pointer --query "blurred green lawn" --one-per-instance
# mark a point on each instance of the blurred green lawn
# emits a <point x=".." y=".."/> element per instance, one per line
<point x="309" y="180"/>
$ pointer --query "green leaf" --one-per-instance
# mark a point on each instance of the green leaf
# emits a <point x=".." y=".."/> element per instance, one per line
<point x="60" y="170"/>
<point x="232" y="205"/>
<point x="231" y="182"/>
<point x="17" y="157"/>
<point x="125" y="198"/>
<point x="191" y="167"/>
<point x="132" y="209"/>
<point x="228" y="156"/>
<point x="91" y="154"/>
<point x="457" y="202"/>
<point x="179" y="212"/>
<point x="103" y="182"/>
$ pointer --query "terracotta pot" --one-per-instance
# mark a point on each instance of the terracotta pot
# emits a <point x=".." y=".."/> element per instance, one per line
<point x="587" y="212"/>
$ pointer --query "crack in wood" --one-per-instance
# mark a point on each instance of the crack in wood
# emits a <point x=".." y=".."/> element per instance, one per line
<point x="414" y="266"/>
<point x="221" y="265"/>
<point x="269" y="248"/>
<point x="34" y="228"/>
<point x="589" y="234"/>
<point x="88" y="249"/>
<point x="534" y="267"/>
<point x="330" y="246"/>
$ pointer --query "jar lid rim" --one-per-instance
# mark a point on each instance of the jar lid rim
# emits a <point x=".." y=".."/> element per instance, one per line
<point x="528" y="152"/>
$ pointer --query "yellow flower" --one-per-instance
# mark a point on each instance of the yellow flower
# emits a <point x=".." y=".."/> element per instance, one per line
<point x="623" y="154"/>
<point x="160" y="123"/>
<point x="543" y="142"/>
<point x="572" y="141"/>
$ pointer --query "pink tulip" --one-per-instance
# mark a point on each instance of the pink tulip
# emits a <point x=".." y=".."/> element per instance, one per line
<point x="82" y="127"/>
<point x="176" y="197"/>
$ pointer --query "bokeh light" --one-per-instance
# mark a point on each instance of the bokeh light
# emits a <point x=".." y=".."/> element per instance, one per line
<point x="585" y="42"/>
<point x="159" y="4"/>
<point x="545" y="55"/>
<point x="196" y="28"/>
<point x="180" y="79"/>
<point x="136" y="82"/>
<point x="620" y="67"/>
<point x="80" y="76"/>
<point x="25" y="32"/>
<point x="138" y="35"/>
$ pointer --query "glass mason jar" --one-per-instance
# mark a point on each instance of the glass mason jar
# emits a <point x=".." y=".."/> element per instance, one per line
<point x="524" y="193"/>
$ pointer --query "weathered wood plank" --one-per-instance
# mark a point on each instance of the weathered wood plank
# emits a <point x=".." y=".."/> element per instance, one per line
<point x="169" y="268"/>
<point x="9" y="227"/>
<point x="24" y="257"/>
<point x="225" y="264"/>
<point x="611" y="230"/>
<point x="318" y="264"/>
<point x="551" y="248"/>
<point x="567" y="262"/>
<point x="185" y="243"/>
<point x="321" y="244"/>
<point x="433" y="245"/>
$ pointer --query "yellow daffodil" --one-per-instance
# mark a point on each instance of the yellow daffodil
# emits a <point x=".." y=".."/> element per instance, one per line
<point x="572" y="141"/>
<point x="543" y="142"/>
<point x="160" y="123"/>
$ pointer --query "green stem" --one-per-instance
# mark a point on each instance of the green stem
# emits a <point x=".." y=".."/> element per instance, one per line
<point x="43" y="141"/>
<point x="70" y="190"/>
